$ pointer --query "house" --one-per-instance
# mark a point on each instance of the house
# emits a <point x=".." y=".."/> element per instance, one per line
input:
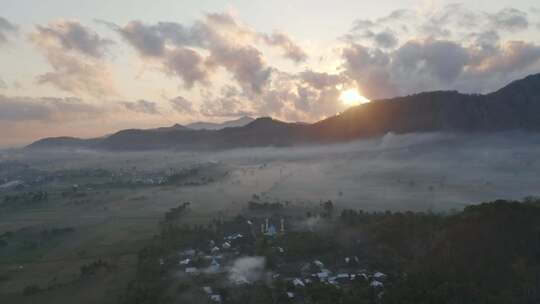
<point x="379" y="275"/>
<point x="216" y="298"/>
<point x="376" y="284"/>
<point x="208" y="290"/>
<point x="298" y="282"/>
<point x="234" y="237"/>
<point x="323" y="275"/>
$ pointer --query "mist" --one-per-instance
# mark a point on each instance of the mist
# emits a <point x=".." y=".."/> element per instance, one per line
<point x="428" y="171"/>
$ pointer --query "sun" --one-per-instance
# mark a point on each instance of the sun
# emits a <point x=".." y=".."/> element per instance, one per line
<point x="351" y="97"/>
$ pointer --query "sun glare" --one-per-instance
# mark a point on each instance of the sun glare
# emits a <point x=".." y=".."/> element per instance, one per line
<point x="351" y="97"/>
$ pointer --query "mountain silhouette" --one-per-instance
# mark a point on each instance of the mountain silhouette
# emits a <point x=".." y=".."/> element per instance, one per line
<point x="514" y="107"/>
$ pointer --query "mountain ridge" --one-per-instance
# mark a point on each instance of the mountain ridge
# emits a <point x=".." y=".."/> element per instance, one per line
<point x="201" y="125"/>
<point x="514" y="106"/>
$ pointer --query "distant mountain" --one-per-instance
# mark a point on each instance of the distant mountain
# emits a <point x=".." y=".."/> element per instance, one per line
<point x="240" y="122"/>
<point x="175" y="127"/>
<point x="514" y="107"/>
<point x="65" y="142"/>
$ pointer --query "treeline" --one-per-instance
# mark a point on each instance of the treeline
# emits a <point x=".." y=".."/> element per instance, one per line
<point x="175" y="213"/>
<point x="488" y="253"/>
<point x="26" y="198"/>
<point x="256" y="206"/>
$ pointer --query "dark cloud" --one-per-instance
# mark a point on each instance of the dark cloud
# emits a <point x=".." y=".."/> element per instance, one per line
<point x="187" y="64"/>
<point x="290" y="49"/>
<point x="509" y="19"/>
<point x="217" y="40"/>
<point x="385" y="39"/>
<point x="369" y="68"/>
<point x="71" y="35"/>
<point x="141" y="106"/>
<point x="320" y="80"/>
<point x="182" y="105"/>
<point x="152" y="39"/>
<point x="45" y="109"/>
<point x="420" y="65"/>
<point x="6" y="29"/>
<point x="444" y="60"/>
<point x="359" y="57"/>
<point x="246" y="64"/>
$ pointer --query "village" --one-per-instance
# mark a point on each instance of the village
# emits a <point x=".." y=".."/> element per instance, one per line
<point x="275" y="251"/>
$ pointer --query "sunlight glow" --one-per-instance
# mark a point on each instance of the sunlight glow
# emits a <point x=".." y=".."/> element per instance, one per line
<point x="351" y="97"/>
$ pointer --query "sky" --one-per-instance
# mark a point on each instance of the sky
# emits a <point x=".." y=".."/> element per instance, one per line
<point x="90" y="68"/>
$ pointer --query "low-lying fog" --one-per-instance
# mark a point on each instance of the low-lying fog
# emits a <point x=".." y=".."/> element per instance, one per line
<point x="430" y="171"/>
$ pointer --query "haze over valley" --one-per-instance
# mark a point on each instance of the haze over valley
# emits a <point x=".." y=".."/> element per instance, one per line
<point x="307" y="152"/>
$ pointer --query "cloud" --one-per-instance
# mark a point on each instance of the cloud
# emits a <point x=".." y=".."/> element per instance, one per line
<point x="246" y="64"/>
<point x="393" y="17"/>
<point x="214" y="41"/>
<point x="510" y="19"/>
<point x="306" y="97"/>
<point x="385" y="39"/>
<point x="152" y="39"/>
<point x="74" y="54"/>
<point x="449" y="47"/>
<point x="45" y="109"/>
<point x="452" y="21"/>
<point x="444" y="60"/>
<point x="188" y="65"/>
<point x="6" y="29"/>
<point x="420" y="65"/>
<point x="141" y="106"/>
<point x="230" y="102"/>
<point x="3" y="84"/>
<point x="320" y="80"/>
<point x="182" y="105"/>
<point x="511" y="56"/>
<point x="77" y="76"/>
<point x="71" y="35"/>
<point x="290" y="49"/>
